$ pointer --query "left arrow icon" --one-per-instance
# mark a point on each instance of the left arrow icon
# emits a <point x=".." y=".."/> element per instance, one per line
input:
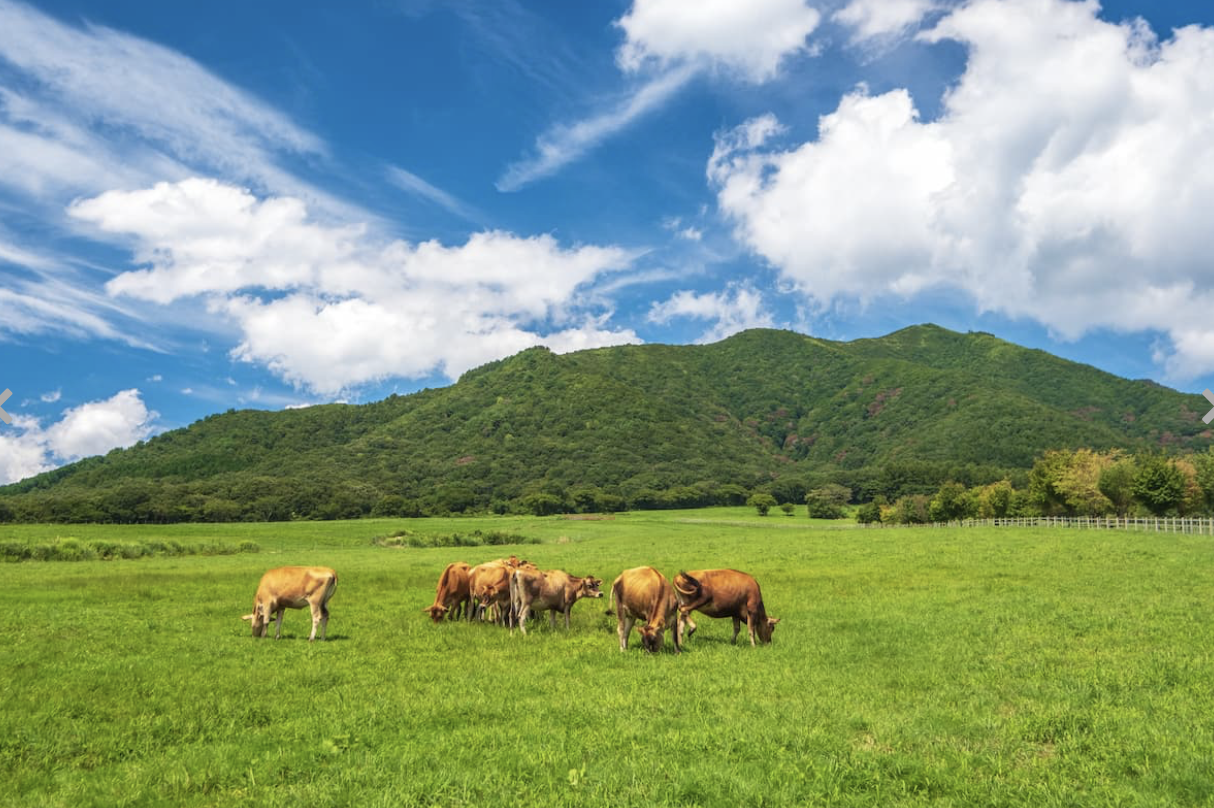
<point x="8" y="419"/>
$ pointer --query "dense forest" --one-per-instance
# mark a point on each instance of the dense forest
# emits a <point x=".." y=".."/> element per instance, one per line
<point x="649" y="426"/>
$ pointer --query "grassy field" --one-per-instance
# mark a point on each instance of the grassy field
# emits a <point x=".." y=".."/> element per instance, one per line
<point x="990" y="667"/>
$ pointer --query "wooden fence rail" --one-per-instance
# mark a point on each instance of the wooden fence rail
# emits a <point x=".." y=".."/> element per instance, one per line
<point x="1195" y="525"/>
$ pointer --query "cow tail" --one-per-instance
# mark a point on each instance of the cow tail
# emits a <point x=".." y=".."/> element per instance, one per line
<point x="516" y="598"/>
<point x="687" y="580"/>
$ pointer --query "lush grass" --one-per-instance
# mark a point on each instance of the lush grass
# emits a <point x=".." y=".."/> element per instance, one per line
<point x="1028" y="667"/>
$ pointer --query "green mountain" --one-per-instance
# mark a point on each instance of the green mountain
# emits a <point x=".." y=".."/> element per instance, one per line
<point x="637" y="426"/>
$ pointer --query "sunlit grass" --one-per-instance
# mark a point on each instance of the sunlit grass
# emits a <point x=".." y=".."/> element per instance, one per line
<point x="912" y="667"/>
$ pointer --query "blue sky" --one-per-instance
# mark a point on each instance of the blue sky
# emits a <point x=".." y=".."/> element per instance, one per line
<point x="273" y="204"/>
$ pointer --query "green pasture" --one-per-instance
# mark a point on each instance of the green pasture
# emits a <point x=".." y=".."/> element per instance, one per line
<point x="943" y="667"/>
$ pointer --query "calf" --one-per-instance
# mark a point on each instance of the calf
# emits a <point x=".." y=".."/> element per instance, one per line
<point x="644" y="594"/>
<point x="549" y="590"/>
<point x="723" y="593"/>
<point x="452" y="596"/>
<point x="293" y="588"/>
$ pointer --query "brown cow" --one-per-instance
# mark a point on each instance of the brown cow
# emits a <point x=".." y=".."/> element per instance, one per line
<point x="644" y="594"/>
<point x="723" y="593"/>
<point x="489" y="584"/>
<point x="548" y="590"/>
<point x="452" y="596"/>
<point x="293" y="588"/>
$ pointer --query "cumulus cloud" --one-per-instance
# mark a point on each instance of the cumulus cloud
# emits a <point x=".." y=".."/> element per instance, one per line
<point x="749" y="39"/>
<point x="1065" y="180"/>
<point x="735" y="309"/>
<point x="329" y="308"/>
<point x="93" y="428"/>
<point x="878" y="19"/>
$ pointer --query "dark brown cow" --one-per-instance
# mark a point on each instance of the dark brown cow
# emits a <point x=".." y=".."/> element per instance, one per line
<point x="293" y="588"/>
<point x="452" y="596"/>
<point x="644" y="594"/>
<point x="723" y="593"/>
<point x="548" y="590"/>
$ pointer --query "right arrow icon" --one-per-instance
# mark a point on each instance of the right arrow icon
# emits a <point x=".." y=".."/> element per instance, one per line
<point x="1209" y="416"/>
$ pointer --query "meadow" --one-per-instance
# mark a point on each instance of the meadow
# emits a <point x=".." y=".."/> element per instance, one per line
<point x="912" y="667"/>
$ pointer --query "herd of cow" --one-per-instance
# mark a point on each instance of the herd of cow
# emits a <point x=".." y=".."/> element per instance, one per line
<point x="509" y="590"/>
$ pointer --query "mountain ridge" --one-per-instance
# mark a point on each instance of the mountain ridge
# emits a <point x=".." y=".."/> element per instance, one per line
<point x="763" y="409"/>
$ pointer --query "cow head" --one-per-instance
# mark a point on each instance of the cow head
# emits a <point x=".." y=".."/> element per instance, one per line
<point x="590" y="587"/>
<point x="765" y="627"/>
<point x="258" y="619"/>
<point x="652" y="638"/>
<point x="437" y="613"/>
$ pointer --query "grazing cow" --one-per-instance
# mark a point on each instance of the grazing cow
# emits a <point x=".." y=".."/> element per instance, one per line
<point x="723" y="593"/>
<point x="452" y="596"/>
<point x="489" y="585"/>
<point x="293" y="588"/>
<point x="548" y="590"/>
<point x="644" y="594"/>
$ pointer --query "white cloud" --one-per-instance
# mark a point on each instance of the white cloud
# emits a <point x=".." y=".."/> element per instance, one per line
<point x="748" y="38"/>
<point x="87" y="108"/>
<point x="670" y="42"/>
<point x="1065" y="180"/>
<point x="735" y="309"/>
<point x="411" y="183"/>
<point x="564" y="144"/>
<point x="106" y="76"/>
<point x="876" y="19"/>
<point x="93" y="428"/>
<point x="331" y="308"/>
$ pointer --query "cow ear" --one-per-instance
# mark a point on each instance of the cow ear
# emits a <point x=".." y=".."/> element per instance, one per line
<point x="771" y="621"/>
<point x="247" y="617"/>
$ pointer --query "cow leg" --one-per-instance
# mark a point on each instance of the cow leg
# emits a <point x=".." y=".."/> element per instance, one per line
<point x="624" y="629"/>
<point x="682" y="621"/>
<point x="568" y="609"/>
<point x="737" y="627"/>
<point x="750" y="627"/>
<point x="523" y="614"/>
<point x="278" y="626"/>
<point x="315" y="609"/>
<point x="324" y="620"/>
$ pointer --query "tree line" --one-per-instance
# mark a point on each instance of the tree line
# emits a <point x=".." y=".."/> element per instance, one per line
<point x="1064" y="482"/>
<point x="1067" y="482"/>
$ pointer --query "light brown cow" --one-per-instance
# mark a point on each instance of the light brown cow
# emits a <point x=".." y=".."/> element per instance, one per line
<point x="489" y="584"/>
<point x="644" y="594"/>
<point x="723" y="593"/>
<point x="293" y="588"/>
<point x="548" y="590"/>
<point x="452" y="596"/>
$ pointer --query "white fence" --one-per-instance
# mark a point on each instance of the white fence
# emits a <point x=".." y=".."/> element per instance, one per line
<point x="1201" y="526"/>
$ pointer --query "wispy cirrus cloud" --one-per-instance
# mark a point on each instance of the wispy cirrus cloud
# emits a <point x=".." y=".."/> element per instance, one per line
<point x="564" y="144"/>
<point x="410" y="183"/>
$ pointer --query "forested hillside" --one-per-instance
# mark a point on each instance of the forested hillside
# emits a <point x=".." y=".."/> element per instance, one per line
<point x="637" y="426"/>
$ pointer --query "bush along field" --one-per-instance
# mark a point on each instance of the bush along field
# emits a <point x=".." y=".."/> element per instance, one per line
<point x="986" y="666"/>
